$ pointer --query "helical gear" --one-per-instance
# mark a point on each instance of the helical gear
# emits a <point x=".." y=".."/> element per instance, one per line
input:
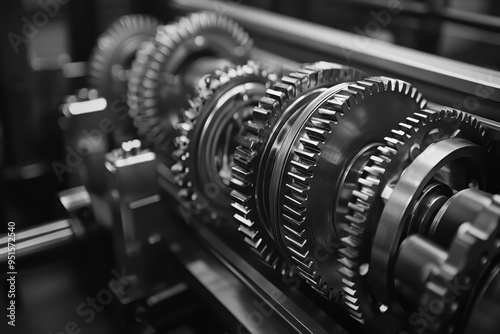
<point x="145" y="98"/>
<point x="272" y="106"/>
<point x="326" y="137"/>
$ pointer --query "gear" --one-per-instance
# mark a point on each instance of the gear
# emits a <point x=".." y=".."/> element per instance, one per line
<point x="111" y="61"/>
<point x="176" y="46"/>
<point x="382" y="170"/>
<point x="209" y="131"/>
<point x="135" y="92"/>
<point x="329" y="138"/>
<point x="386" y="177"/>
<point x="115" y="50"/>
<point x="475" y="246"/>
<point x="249" y="177"/>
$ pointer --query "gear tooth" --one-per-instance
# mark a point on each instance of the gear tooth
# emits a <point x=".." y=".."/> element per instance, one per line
<point x="305" y="155"/>
<point x="294" y="84"/>
<point x="348" y="253"/>
<point x="405" y="127"/>
<point x="355" y="219"/>
<point x="361" y="195"/>
<point x="328" y="114"/>
<point x="357" y="88"/>
<point x="414" y="121"/>
<point x="337" y="105"/>
<point x="321" y="123"/>
<point x="295" y="201"/>
<point x="268" y="102"/>
<point x="254" y="128"/>
<point x="299" y="246"/>
<point x="262" y="114"/>
<point x="316" y="133"/>
<point x="369" y="86"/>
<point x="311" y="144"/>
<point x="392" y="142"/>
<point x="452" y="113"/>
<point x="299" y="177"/>
<point x="385" y="153"/>
<point x="240" y="198"/>
<point x="285" y="89"/>
<point x="294" y="230"/>
<point x="296" y="222"/>
<point x="474" y="121"/>
<point x="302" y="165"/>
<point x="250" y="142"/>
<point x="351" y="96"/>
<point x="365" y="182"/>
<point x="277" y="95"/>
<point x="398" y="134"/>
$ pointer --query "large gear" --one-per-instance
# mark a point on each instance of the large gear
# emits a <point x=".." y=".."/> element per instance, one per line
<point x="412" y="136"/>
<point x="209" y="130"/>
<point x="328" y="139"/>
<point x="115" y="50"/>
<point x="111" y="62"/>
<point x="284" y="99"/>
<point x="161" y="93"/>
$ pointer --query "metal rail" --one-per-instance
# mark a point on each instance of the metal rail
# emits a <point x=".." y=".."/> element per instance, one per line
<point x="434" y="70"/>
<point x="241" y="289"/>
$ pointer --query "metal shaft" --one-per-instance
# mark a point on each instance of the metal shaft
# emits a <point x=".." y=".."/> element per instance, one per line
<point x="37" y="239"/>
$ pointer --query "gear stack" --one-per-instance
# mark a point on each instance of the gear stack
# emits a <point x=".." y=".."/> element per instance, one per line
<point x="380" y="200"/>
<point x="265" y="133"/>
<point x="337" y="169"/>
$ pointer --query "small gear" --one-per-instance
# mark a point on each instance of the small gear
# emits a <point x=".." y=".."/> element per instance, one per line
<point x="383" y="168"/>
<point x="157" y="93"/>
<point x="209" y="132"/>
<point x="279" y="103"/>
<point x="115" y="50"/>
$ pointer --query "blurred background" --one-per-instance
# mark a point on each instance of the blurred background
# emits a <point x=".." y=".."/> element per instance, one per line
<point x="43" y="58"/>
